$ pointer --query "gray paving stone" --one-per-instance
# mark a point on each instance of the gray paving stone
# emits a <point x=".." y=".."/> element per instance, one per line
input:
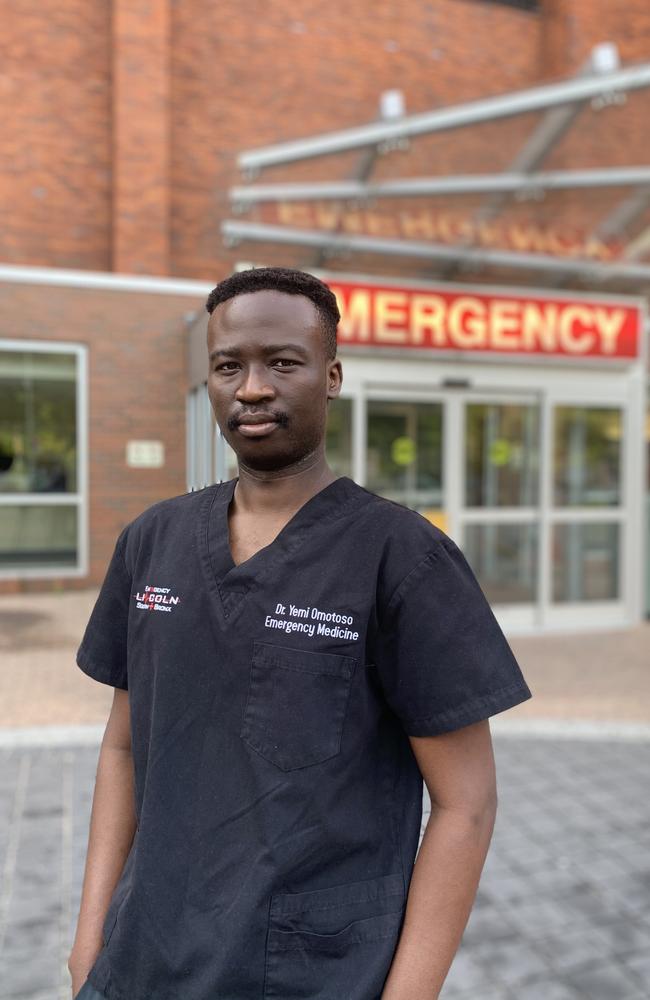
<point x="640" y="966"/>
<point x="604" y="982"/>
<point x="488" y="992"/>
<point x="506" y="888"/>
<point x="624" y="938"/>
<point x="487" y="925"/>
<point x="465" y="973"/>
<point x="26" y="973"/>
<point x="542" y="989"/>
<point x="562" y="907"/>
<point x="510" y="963"/>
<point x="38" y="932"/>
<point x="574" y="949"/>
<point x="538" y="916"/>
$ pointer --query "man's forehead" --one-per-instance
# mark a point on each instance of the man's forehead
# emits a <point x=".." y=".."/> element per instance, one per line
<point x="263" y="309"/>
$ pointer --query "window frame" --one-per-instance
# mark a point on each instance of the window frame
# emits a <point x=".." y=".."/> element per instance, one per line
<point x="78" y="499"/>
<point x="524" y="6"/>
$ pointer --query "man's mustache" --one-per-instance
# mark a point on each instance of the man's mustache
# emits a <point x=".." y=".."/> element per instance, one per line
<point x="277" y="415"/>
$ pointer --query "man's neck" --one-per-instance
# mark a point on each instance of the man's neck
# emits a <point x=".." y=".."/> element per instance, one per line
<point x="279" y="492"/>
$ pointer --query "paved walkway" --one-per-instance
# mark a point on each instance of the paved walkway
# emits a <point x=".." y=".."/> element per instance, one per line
<point x="561" y="913"/>
<point x="602" y="676"/>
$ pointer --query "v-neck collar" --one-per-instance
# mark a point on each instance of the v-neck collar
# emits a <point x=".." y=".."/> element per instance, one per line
<point x="231" y="582"/>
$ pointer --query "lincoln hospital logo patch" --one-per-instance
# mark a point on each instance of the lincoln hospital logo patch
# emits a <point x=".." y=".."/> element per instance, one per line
<point x="156" y="599"/>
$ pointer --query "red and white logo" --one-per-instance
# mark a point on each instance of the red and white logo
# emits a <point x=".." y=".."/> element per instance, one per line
<point x="156" y="599"/>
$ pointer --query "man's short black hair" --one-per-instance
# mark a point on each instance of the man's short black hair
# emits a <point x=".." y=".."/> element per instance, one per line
<point x="283" y="279"/>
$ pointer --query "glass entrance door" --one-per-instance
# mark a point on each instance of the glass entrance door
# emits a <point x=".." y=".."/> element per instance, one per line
<point x="530" y="486"/>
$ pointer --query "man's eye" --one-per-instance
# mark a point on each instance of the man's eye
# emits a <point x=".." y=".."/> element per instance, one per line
<point x="284" y="362"/>
<point x="224" y="366"/>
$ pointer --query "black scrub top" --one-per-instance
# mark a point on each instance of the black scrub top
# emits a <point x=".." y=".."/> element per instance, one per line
<point x="277" y="797"/>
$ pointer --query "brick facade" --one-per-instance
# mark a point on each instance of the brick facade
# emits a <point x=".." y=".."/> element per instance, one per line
<point x="141" y="150"/>
<point x="127" y="117"/>
<point x="126" y="120"/>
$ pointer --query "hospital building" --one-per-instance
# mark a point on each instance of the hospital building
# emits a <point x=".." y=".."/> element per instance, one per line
<point x="471" y="179"/>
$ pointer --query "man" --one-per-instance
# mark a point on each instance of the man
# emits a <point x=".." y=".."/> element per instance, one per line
<point x="291" y="654"/>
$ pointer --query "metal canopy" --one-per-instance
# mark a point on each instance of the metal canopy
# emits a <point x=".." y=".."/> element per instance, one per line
<point x="598" y="81"/>
<point x="414" y="187"/>
<point x="555" y="123"/>
<point x="602" y="86"/>
<point x="603" y="58"/>
<point x="235" y="232"/>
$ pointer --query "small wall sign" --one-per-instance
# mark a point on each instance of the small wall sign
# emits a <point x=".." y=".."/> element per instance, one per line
<point x="145" y="454"/>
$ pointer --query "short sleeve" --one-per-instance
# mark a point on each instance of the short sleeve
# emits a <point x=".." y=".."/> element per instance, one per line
<point x="442" y="659"/>
<point x="103" y="650"/>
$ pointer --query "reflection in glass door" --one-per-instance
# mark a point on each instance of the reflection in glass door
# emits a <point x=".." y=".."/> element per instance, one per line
<point x="404" y="453"/>
<point x="587" y="504"/>
<point x="500" y="498"/>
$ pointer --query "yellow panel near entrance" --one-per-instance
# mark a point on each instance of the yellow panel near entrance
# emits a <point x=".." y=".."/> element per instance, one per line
<point x="437" y="517"/>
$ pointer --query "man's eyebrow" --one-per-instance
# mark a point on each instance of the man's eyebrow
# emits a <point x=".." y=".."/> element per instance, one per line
<point x="233" y="352"/>
<point x="298" y="348"/>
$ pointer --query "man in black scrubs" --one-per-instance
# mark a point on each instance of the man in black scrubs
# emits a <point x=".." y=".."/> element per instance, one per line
<point x="291" y="656"/>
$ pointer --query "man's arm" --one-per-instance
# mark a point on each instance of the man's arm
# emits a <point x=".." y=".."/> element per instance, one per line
<point x="459" y="772"/>
<point x="112" y="828"/>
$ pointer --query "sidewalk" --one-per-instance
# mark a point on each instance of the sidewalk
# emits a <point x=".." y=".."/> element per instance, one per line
<point x="562" y="907"/>
<point x="602" y="676"/>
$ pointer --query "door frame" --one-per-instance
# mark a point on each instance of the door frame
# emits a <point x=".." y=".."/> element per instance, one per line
<point x="551" y="387"/>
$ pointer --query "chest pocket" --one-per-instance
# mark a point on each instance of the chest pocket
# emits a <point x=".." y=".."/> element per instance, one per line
<point x="296" y="704"/>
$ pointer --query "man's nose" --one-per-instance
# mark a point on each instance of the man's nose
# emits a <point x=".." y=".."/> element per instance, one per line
<point x="255" y="385"/>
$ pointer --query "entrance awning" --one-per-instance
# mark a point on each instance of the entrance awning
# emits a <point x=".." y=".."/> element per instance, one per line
<point x="517" y="221"/>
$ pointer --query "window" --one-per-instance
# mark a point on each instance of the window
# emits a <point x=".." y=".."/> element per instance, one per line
<point x="41" y="506"/>
<point x="501" y="455"/>
<point x="532" y="6"/>
<point x="586" y="562"/>
<point x="587" y="456"/>
<point x="404" y="452"/>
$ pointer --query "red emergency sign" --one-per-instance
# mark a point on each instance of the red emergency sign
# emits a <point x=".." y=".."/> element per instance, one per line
<point x="461" y="319"/>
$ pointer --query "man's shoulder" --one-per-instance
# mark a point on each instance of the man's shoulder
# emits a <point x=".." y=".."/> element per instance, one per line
<point x="404" y="523"/>
<point x="405" y="543"/>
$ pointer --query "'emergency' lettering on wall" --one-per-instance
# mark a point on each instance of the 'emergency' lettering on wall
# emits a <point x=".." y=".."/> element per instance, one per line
<point x="466" y="321"/>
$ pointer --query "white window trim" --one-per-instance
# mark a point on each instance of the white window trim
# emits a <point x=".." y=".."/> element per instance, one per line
<point x="80" y="498"/>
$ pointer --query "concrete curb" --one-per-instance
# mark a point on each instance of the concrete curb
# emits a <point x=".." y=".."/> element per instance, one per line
<point x="573" y="729"/>
<point x="51" y="736"/>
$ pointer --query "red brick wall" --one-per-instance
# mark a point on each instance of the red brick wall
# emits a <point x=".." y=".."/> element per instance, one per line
<point x="127" y="117"/>
<point x="55" y="140"/>
<point x="137" y="349"/>
<point x="287" y="71"/>
<point x="140" y="92"/>
<point x="120" y="146"/>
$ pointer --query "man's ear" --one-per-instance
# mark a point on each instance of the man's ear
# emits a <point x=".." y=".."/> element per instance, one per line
<point x="335" y="382"/>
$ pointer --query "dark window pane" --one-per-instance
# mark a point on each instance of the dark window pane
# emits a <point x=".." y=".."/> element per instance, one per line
<point x="338" y="441"/>
<point x="532" y="6"/>
<point x="587" y="456"/>
<point x="504" y="558"/>
<point x="33" y="536"/>
<point x="38" y="415"/>
<point x="501" y="455"/>
<point x="404" y="454"/>
<point x="585" y="562"/>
